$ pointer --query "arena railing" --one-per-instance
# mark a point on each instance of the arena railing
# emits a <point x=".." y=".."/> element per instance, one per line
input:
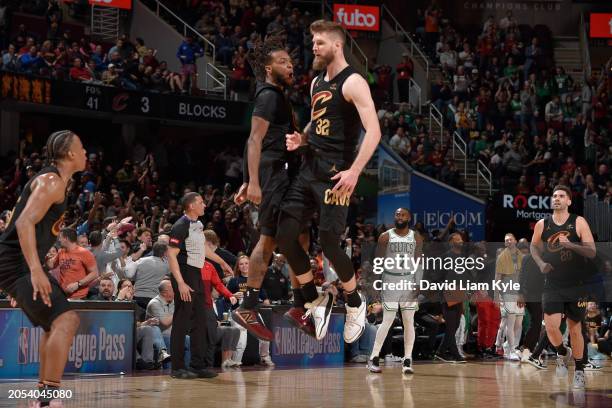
<point x="415" y="95"/>
<point x="414" y="48"/>
<point x="162" y="12"/>
<point x="483" y="173"/>
<point x="459" y="144"/>
<point x="435" y="117"/>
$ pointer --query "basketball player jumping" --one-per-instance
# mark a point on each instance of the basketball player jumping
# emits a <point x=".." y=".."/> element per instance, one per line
<point x="559" y="247"/>
<point x="341" y="102"/>
<point x="267" y="177"/>
<point x="31" y="231"/>
<point x="401" y="241"/>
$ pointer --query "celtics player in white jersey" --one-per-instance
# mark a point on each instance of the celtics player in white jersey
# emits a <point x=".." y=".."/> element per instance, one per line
<point x="407" y="244"/>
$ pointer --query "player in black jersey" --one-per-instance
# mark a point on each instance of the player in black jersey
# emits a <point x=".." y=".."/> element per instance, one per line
<point x="559" y="247"/>
<point x="341" y="103"/>
<point x="269" y="168"/>
<point x="32" y="229"/>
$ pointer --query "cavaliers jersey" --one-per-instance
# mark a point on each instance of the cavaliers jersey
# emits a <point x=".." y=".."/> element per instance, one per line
<point x="335" y="124"/>
<point x="272" y="105"/>
<point x="568" y="266"/>
<point x="46" y="229"/>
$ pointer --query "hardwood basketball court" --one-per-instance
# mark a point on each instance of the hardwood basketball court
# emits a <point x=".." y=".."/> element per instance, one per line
<point x="437" y="385"/>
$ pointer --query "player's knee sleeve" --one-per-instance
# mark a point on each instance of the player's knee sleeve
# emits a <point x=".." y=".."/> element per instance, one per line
<point x="330" y="243"/>
<point x="287" y="239"/>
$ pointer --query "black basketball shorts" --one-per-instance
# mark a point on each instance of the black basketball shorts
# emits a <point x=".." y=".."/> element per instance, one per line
<point x="17" y="282"/>
<point x="570" y="301"/>
<point x="274" y="181"/>
<point x="311" y="191"/>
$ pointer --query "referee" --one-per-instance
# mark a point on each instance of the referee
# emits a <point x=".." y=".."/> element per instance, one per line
<point x="186" y="258"/>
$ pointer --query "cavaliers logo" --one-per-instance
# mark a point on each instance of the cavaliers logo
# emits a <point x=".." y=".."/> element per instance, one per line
<point x="57" y="226"/>
<point x="120" y="102"/>
<point x="320" y="98"/>
<point x="552" y="244"/>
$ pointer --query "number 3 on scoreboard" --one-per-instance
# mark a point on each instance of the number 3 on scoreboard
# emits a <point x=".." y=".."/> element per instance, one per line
<point x="322" y="127"/>
<point x="144" y="104"/>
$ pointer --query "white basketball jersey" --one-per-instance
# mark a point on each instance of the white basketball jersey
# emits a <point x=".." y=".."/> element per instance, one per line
<point x="400" y="245"/>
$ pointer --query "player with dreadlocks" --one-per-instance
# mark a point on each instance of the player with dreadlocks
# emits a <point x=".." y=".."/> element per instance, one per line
<point x="267" y="174"/>
<point x="32" y="229"/>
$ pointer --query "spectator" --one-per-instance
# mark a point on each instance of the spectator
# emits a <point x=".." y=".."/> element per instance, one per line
<point x="228" y="338"/>
<point x="106" y="289"/>
<point x="237" y="287"/>
<point x="189" y="51"/>
<point x="77" y="265"/>
<point x="405" y="70"/>
<point x="80" y="72"/>
<point x="275" y="283"/>
<point x="148" y="334"/>
<point x="147" y="272"/>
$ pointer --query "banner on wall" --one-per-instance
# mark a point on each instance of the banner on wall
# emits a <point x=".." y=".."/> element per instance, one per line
<point x="518" y="213"/>
<point x="293" y="347"/>
<point x="434" y="203"/>
<point x="103" y="344"/>
<point x="357" y="17"/>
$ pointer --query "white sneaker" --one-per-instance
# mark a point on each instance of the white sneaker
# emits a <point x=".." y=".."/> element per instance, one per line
<point x="525" y="355"/>
<point x="514" y="356"/>
<point x="579" y="381"/>
<point x="562" y="362"/>
<point x="354" y="326"/>
<point x="267" y="361"/>
<point x="390" y="358"/>
<point x="163" y="356"/>
<point x="320" y="310"/>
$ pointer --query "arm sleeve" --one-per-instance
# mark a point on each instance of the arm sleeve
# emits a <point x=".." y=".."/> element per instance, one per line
<point x="178" y="234"/>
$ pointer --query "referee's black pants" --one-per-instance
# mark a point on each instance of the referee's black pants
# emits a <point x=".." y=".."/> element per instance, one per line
<point x="189" y="319"/>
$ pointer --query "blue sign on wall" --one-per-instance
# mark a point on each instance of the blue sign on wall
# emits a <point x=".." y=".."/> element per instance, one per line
<point x="293" y="347"/>
<point x="433" y="204"/>
<point x="103" y="343"/>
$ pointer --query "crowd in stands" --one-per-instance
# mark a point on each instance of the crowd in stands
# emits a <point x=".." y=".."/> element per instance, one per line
<point x="527" y="119"/>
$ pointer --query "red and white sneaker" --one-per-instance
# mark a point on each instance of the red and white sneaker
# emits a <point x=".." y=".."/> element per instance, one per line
<point x="298" y="318"/>
<point x="251" y="320"/>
